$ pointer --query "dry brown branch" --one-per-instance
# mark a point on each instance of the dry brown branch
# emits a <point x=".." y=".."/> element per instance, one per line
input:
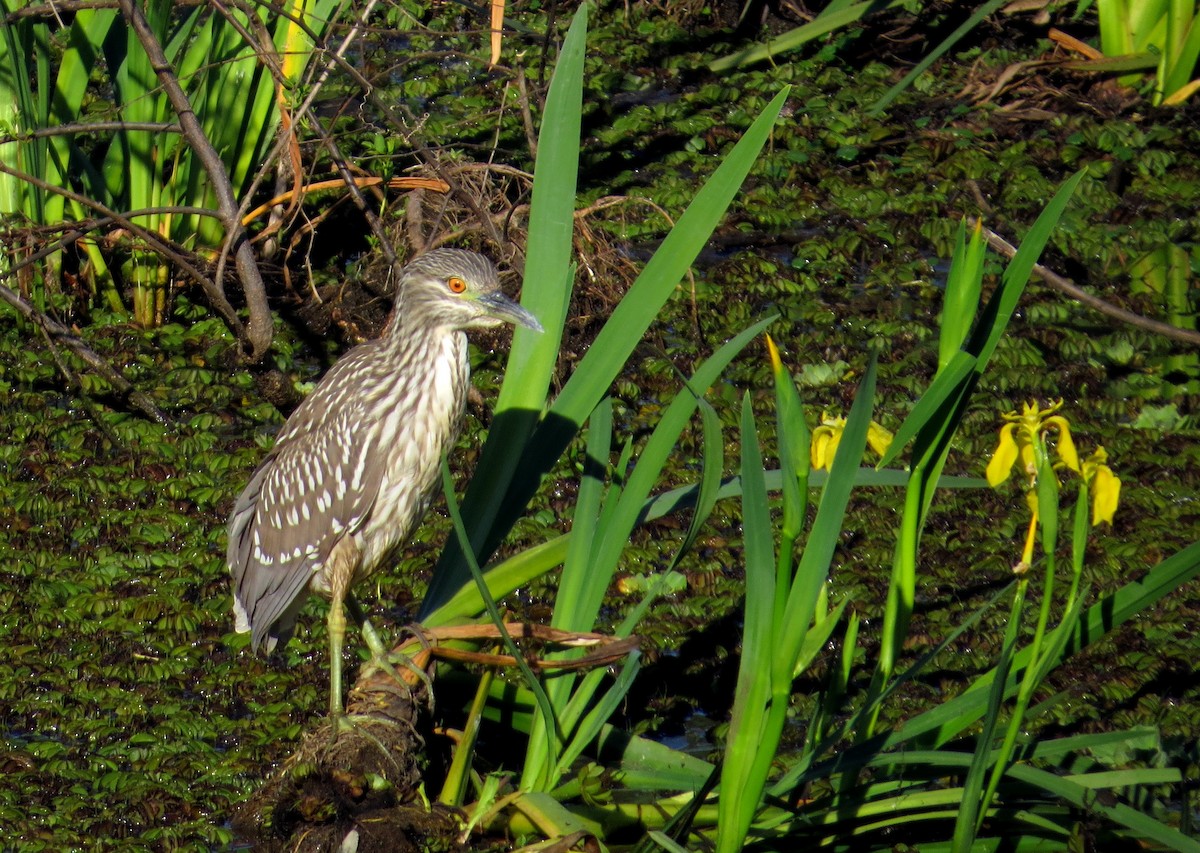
<point x="605" y="650"/>
<point x="90" y="127"/>
<point x="55" y="9"/>
<point x="1074" y="44"/>
<point x="1064" y="285"/>
<point x="362" y="183"/>
<point x="527" y="113"/>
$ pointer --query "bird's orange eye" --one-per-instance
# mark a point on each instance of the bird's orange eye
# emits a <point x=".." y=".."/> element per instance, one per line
<point x="456" y="284"/>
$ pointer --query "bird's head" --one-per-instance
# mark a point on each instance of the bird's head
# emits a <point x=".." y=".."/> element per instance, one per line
<point x="459" y="290"/>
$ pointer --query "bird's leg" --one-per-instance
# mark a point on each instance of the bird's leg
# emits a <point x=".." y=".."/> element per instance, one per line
<point x="340" y="600"/>
<point x="336" y="623"/>
<point x="343" y="559"/>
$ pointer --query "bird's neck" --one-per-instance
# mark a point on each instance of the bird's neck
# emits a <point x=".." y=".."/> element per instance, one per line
<point x="414" y="330"/>
<point x="431" y="355"/>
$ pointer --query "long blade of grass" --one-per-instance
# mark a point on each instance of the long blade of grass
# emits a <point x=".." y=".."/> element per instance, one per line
<point x="1138" y="738"/>
<point x="712" y="466"/>
<point x="546" y="293"/>
<point x="825" y="23"/>
<point x="658" y="280"/>
<point x="576" y="583"/>
<point x="1140" y="825"/>
<point x="964" y="367"/>
<point x="616" y="341"/>
<point x="458" y="775"/>
<point x="744" y="744"/>
<point x="934" y="420"/>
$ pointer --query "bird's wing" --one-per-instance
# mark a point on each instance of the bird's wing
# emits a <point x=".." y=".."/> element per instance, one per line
<point x="315" y="487"/>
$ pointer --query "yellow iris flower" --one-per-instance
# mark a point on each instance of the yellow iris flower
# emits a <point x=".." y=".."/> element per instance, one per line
<point x="828" y="435"/>
<point x="1019" y="436"/>
<point x="1022" y="434"/>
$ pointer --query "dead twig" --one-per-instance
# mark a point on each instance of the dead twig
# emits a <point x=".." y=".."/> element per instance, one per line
<point x="603" y="649"/>
<point x="1066" y="286"/>
<point x="89" y="127"/>
<point x="362" y="183"/>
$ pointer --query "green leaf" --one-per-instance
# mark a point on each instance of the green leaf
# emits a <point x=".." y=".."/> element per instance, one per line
<point x="748" y="739"/>
<point x="546" y="293"/>
<point x="825" y="23"/>
<point x="495" y="503"/>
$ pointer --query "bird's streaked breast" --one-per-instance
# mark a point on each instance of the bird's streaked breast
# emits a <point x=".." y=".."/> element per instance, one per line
<point x="412" y="441"/>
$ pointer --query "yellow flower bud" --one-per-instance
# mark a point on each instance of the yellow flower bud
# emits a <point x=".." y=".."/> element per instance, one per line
<point x="773" y="353"/>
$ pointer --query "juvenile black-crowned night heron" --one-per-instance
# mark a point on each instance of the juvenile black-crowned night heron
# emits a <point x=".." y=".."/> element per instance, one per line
<point x="355" y="465"/>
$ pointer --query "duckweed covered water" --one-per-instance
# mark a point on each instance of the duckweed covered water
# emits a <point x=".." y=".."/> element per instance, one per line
<point x="132" y="716"/>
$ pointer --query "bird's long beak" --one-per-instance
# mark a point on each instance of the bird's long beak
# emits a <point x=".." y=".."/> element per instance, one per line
<point x="502" y="308"/>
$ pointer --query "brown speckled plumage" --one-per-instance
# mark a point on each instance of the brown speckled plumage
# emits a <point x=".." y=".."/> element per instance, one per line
<point x="355" y="465"/>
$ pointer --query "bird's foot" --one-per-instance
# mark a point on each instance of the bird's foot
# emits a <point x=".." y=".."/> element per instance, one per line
<point x="392" y="664"/>
<point x="381" y="662"/>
